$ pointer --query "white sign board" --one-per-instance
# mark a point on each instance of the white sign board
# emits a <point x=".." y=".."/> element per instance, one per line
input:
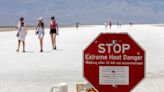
<point x="114" y="75"/>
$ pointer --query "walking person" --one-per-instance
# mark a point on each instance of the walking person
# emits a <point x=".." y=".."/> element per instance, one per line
<point x="77" y="25"/>
<point x="130" y="23"/>
<point x="53" y="32"/>
<point x="110" y="24"/>
<point x="21" y="34"/>
<point x="106" y="25"/>
<point x="40" y="32"/>
<point x="118" y="24"/>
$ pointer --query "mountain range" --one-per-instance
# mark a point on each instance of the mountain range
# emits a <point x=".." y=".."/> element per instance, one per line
<point x="68" y="12"/>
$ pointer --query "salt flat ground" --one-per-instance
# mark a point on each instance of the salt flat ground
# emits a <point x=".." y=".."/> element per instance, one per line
<point x="38" y="72"/>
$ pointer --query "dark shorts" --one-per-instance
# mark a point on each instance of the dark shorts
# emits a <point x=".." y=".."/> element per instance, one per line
<point x="52" y="31"/>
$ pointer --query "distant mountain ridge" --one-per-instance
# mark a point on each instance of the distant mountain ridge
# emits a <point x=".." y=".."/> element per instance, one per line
<point x="82" y="11"/>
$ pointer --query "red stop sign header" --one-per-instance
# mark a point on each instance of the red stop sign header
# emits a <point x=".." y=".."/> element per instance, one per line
<point x="114" y="63"/>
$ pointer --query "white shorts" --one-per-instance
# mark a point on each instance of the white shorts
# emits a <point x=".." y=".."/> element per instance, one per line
<point x="40" y="35"/>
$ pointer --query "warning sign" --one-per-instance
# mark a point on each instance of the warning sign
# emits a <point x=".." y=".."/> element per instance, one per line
<point x="114" y="63"/>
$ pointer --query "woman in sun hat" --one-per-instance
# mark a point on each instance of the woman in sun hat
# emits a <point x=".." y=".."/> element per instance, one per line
<point x="40" y="32"/>
<point x="21" y="34"/>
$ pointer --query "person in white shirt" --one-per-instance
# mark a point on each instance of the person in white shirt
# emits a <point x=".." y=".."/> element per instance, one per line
<point x="21" y="34"/>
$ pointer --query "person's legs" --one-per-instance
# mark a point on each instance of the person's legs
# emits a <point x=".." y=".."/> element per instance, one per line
<point x="52" y="42"/>
<point x="41" y="44"/>
<point x="23" y="46"/>
<point x="18" y="45"/>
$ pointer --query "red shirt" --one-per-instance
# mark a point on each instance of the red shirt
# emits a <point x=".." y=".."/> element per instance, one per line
<point x="53" y="25"/>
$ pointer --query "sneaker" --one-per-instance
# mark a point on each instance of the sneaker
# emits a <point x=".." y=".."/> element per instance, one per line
<point x="17" y="50"/>
<point x="41" y="50"/>
<point x="54" y="48"/>
<point x="24" y="51"/>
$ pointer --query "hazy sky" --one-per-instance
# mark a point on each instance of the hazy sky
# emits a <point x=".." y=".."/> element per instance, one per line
<point x="83" y="11"/>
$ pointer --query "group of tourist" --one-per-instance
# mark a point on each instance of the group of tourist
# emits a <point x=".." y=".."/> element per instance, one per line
<point x="40" y="27"/>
